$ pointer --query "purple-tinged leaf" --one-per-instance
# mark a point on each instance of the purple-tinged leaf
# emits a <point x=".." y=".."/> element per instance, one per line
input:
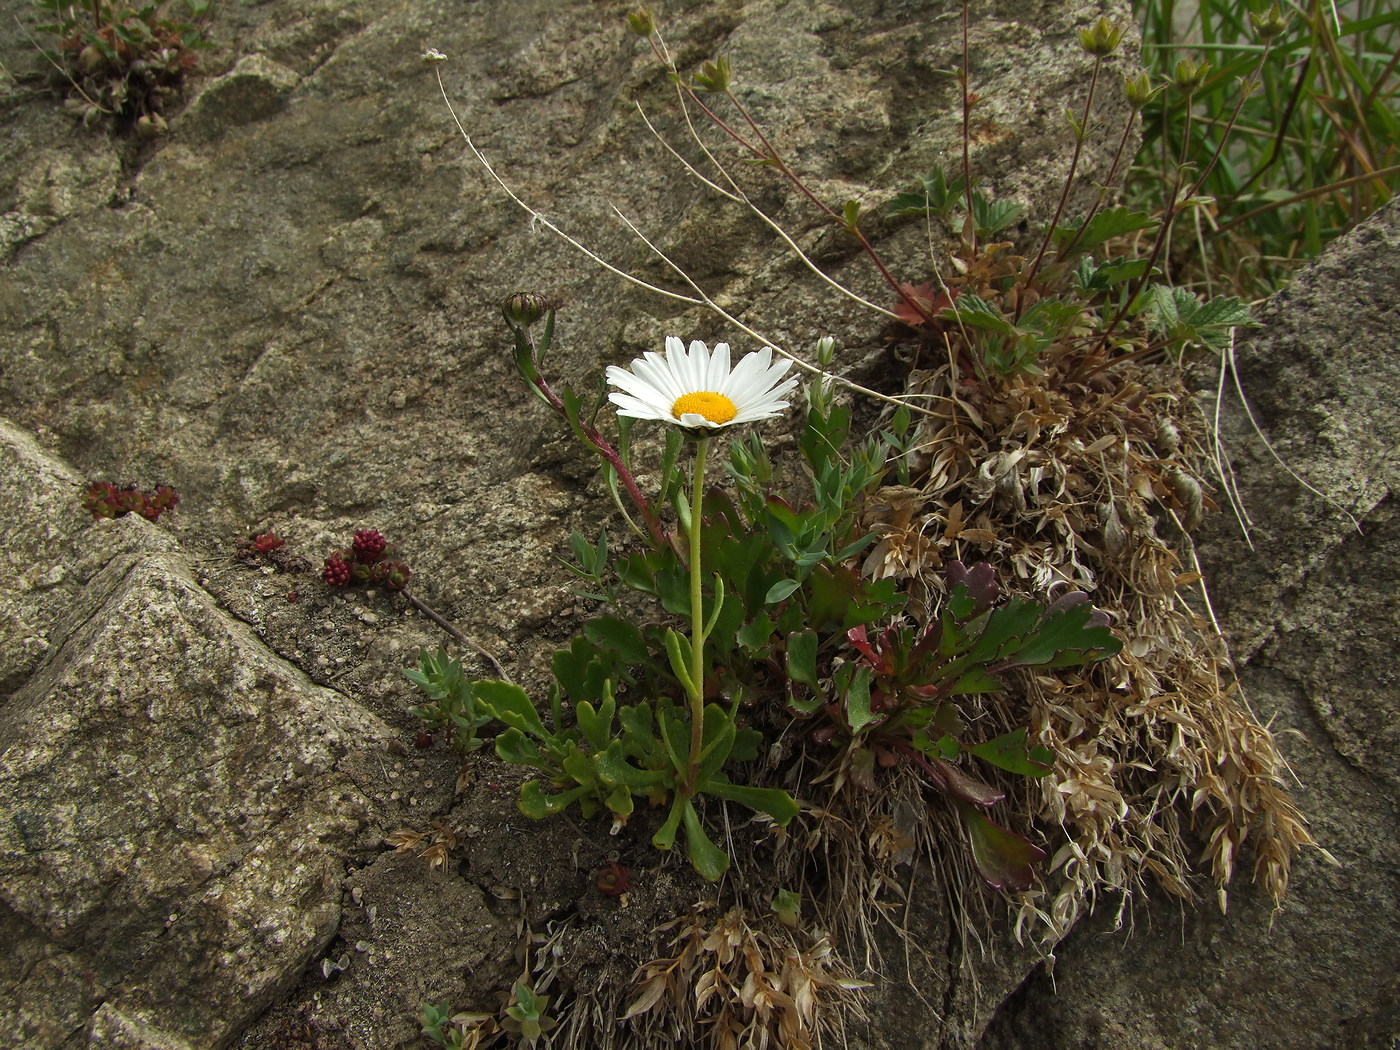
<point x="1006" y="860"/>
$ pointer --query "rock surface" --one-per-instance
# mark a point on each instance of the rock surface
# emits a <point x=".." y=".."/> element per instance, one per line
<point x="286" y="311"/>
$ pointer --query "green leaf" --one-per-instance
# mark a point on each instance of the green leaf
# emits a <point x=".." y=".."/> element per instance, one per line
<point x="756" y="633"/>
<point x="619" y="636"/>
<point x="1092" y="278"/>
<point x="994" y="216"/>
<point x="777" y="804"/>
<point x="665" y="835"/>
<point x="707" y="858"/>
<point x="580" y="670"/>
<point x="595" y="724"/>
<point x="974" y="681"/>
<point x="614" y="770"/>
<point x="619" y="801"/>
<point x="716" y="739"/>
<point x="780" y="590"/>
<point x="976" y="312"/>
<point x="509" y="703"/>
<point x="1009" y="752"/>
<point x="945" y="747"/>
<point x="636" y="573"/>
<point x="515" y="747"/>
<point x="534" y="803"/>
<point x="935" y="194"/>
<point x="747" y="744"/>
<point x="858" y="713"/>
<point x="1066" y="639"/>
<point x="675" y="736"/>
<point x="1103" y="226"/>
<point x="802" y="658"/>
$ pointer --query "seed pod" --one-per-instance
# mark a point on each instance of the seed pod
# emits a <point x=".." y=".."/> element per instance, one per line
<point x="1115" y="537"/>
<point x="1188" y="492"/>
<point x="1168" y="437"/>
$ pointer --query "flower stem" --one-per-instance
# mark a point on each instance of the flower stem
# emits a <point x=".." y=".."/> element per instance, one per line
<point x="697" y="621"/>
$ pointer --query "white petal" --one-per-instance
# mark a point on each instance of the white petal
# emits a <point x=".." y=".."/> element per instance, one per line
<point x="631" y="406"/>
<point x="697" y="366"/>
<point x="747" y="371"/>
<point x="764" y="411"/>
<point x="695" y="419"/>
<point x="719" y="368"/>
<point x="656" y="372"/>
<point x="639" y="389"/>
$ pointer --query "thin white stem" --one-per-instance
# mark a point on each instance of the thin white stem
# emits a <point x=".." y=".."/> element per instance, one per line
<point x="1244" y="403"/>
<point x="537" y="217"/>
<point x="1223" y="469"/>
<point x="740" y="197"/>
<point x="713" y="306"/>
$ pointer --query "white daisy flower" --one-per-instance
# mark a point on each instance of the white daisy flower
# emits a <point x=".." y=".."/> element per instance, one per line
<point x="697" y="389"/>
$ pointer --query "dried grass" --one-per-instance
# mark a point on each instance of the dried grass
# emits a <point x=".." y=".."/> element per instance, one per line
<point x="1096" y="486"/>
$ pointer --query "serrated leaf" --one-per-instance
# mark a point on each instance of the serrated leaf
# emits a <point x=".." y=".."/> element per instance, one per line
<point x="976" y="312"/>
<point x="1104" y="226"/>
<point x="1224" y="311"/>
<point x="619" y="636"/>
<point x="993" y="216"/>
<point x="756" y="634"/>
<point x="1065" y="639"/>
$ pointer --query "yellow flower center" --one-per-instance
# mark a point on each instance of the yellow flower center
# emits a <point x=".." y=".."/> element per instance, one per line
<point x="715" y="407"/>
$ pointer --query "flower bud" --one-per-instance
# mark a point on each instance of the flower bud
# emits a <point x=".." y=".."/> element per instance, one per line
<point x="523" y="309"/>
<point x="1190" y="75"/>
<point x="368" y="545"/>
<point x="91" y="59"/>
<point x="641" y="22"/>
<point x="787" y="906"/>
<point x="714" y="76"/>
<point x="613" y="880"/>
<point x="1270" y="25"/>
<point x="1139" y="90"/>
<point x="396" y="575"/>
<point x="1102" y="39"/>
<point x="336" y="571"/>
